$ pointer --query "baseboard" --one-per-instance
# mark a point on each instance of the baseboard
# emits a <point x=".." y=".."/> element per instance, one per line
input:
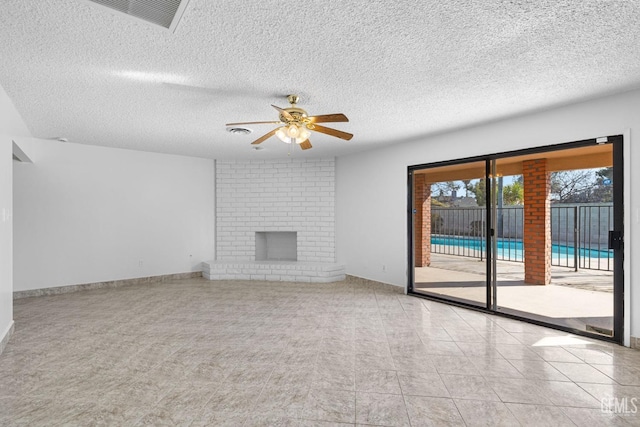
<point x="635" y="342"/>
<point x="274" y="271"/>
<point x="373" y="283"/>
<point x="101" y="285"/>
<point x="7" y="336"/>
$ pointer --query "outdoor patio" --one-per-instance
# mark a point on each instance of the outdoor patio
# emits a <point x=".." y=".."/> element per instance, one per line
<point x="576" y="299"/>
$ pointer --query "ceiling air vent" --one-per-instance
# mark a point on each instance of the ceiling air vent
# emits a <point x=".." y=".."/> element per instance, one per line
<point x="166" y="13"/>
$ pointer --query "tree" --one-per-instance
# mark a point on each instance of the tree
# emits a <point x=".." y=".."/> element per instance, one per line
<point x="479" y="189"/>
<point x="466" y="183"/>
<point x="572" y="186"/>
<point x="445" y="188"/>
<point x="443" y="192"/>
<point x="602" y="191"/>
<point x="604" y="173"/>
<point x="513" y="194"/>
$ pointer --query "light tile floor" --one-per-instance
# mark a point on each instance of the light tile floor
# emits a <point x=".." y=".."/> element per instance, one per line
<point x="201" y="353"/>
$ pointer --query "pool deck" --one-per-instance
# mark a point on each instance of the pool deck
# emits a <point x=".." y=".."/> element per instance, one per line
<point x="574" y="298"/>
<point x="592" y="280"/>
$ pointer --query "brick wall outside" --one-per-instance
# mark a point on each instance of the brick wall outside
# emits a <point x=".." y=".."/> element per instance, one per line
<point x="537" y="222"/>
<point x="275" y="195"/>
<point x="421" y="221"/>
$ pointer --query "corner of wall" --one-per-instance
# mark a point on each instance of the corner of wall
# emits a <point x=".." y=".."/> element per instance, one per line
<point x="4" y="339"/>
<point x="6" y="235"/>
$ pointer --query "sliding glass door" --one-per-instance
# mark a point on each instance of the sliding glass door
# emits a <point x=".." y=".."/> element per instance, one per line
<point x="450" y="232"/>
<point x="535" y="234"/>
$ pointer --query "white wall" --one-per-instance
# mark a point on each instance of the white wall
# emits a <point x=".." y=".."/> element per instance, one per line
<point x="11" y="125"/>
<point x="87" y="214"/>
<point x="276" y="195"/>
<point x="6" y="257"/>
<point x="371" y="187"/>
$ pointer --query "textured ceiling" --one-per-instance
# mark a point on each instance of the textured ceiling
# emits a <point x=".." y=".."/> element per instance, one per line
<point x="399" y="70"/>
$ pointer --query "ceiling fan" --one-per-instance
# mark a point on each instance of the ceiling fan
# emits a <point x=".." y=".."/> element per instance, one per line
<point x="296" y="124"/>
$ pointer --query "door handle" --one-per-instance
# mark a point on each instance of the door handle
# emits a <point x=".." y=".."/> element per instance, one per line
<point x="615" y="239"/>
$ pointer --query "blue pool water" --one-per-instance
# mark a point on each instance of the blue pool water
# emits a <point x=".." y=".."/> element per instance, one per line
<point x="512" y="249"/>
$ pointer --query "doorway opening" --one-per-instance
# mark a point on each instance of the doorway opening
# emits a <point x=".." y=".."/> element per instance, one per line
<point x="535" y="234"/>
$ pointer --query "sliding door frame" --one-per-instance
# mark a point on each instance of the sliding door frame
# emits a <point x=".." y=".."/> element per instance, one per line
<point x="619" y="212"/>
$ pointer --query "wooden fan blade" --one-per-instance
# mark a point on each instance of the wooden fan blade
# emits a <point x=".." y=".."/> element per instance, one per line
<point x="264" y="137"/>
<point x="284" y="112"/>
<point x="332" y="132"/>
<point x="305" y="145"/>
<point x="329" y="118"/>
<point x="254" y="123"/>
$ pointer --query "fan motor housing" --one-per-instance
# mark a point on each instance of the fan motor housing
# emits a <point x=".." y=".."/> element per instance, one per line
<point x="297" y="113"/>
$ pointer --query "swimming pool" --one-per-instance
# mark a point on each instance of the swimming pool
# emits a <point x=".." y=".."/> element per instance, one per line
<point x="510" y="249"/>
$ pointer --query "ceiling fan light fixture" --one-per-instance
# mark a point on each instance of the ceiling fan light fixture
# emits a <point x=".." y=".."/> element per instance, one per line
<point x="295" y="125"/>
<point x="303" y="135"/>
<point x="281" y="133"/>
<point x="293" y="133"/>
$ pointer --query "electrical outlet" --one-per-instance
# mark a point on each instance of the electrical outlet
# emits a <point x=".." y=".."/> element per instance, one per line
<point x="140" y="263"/>
<point x="384" y="267"/>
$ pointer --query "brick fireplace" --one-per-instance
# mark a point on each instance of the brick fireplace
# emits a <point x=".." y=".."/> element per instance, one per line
<point x="263" y="201"/>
